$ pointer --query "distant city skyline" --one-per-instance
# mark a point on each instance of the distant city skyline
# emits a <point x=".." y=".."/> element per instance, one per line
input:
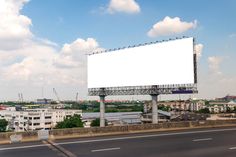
<point x="43" y="44"/>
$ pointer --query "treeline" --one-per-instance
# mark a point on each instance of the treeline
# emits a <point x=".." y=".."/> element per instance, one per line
<point x="94" y="106"/>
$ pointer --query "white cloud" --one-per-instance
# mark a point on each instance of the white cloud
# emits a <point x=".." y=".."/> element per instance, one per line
<point x="74" y="54"/>
<point x="169" y="26"/>
<point x="14" y="27"/>
<point x="125" y="6"/>
<point x="21" y="70"/>
<point x="214" y="64"/>
<point x="212" y="85"/>
<point x="198" y="49"/>
<point x="215" y="83"/>
<point x="47" y="42"/>
<point x="80" y="45"/>
<point x="29" y="62"/>
<point x="39" y="64"/>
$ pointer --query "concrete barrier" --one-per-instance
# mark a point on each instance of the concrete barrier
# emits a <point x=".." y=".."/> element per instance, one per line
<point x="15" y="138"/>
<point x="97" y="131"/>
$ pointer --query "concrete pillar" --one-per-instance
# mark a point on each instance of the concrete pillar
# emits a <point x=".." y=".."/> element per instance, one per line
<point x="154" y="109"/>
<point x="102" y="110"/>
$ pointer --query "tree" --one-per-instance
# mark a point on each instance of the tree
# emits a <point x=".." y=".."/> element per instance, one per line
<point x="96" y="122"/>
<point x="70" y="122"/>
<point x="164" y="108"/>
<point x="234" y="110"/>
<point x="3" y="125"/>
<point x="204" y="110"/>
<point x="228" y="109"/>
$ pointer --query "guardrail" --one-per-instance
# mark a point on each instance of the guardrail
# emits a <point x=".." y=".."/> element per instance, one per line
<point x="95" y="131"/>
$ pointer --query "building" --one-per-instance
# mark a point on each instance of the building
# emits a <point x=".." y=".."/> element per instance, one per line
<point x="231" y="105"/>
<point x="163" y="116"/>
<point x="227" y="98"/>
<point x="180" y="105"/>
<point x="184" y="105"/>
<point x="216" y="108"/>
<point x="2" y="107"/>
<point x="35" y="119"/>
<point x="220" y="106"/>
<point x="44" y="101"/>
<point x="113" y="118"/>
<point x="196" y="105"/>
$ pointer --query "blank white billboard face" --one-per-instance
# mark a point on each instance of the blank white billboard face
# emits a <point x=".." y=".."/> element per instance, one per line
<point x="165" y="63"/>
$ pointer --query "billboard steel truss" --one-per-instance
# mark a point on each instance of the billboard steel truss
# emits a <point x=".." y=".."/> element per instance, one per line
<point x="144" y="90"/>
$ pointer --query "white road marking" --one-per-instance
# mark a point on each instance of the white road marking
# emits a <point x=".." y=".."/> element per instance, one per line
<point x="23" y="147"/>
<point x="121" y="138"/>
<point x="232" y="148"/>
<point x="202" y="139"/>
<point x="106" y="149"/>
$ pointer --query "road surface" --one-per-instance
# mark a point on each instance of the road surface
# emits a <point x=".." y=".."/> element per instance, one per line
<point x="215" y="142"/>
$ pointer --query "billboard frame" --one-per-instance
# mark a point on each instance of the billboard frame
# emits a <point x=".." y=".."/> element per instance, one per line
<point x="153" y="89"/>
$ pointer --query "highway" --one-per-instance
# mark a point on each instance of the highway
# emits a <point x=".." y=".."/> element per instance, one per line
<point x="215" y="142"/>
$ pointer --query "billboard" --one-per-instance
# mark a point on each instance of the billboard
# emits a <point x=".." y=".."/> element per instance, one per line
<point x="161" y="63"/>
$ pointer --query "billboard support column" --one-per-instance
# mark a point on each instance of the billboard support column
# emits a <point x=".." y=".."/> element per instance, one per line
<point x="102" y="110"/>
<point x="102" y="107"/>
<point x="154" y="109"/>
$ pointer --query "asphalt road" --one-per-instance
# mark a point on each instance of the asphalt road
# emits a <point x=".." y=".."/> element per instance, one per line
<point x="216" y="142"/>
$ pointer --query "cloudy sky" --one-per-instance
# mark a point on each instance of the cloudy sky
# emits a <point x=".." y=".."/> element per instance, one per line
<point x="43" y="42"/>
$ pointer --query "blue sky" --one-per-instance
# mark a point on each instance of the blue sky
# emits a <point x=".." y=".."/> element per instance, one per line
<point x="66" y="21"/>
<point x="61" y="28"/>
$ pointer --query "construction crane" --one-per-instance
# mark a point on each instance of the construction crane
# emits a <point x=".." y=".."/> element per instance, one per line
<point x="59" y="104"/>
<point x="55" y="92"/>
<point x="20" y="97"/>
